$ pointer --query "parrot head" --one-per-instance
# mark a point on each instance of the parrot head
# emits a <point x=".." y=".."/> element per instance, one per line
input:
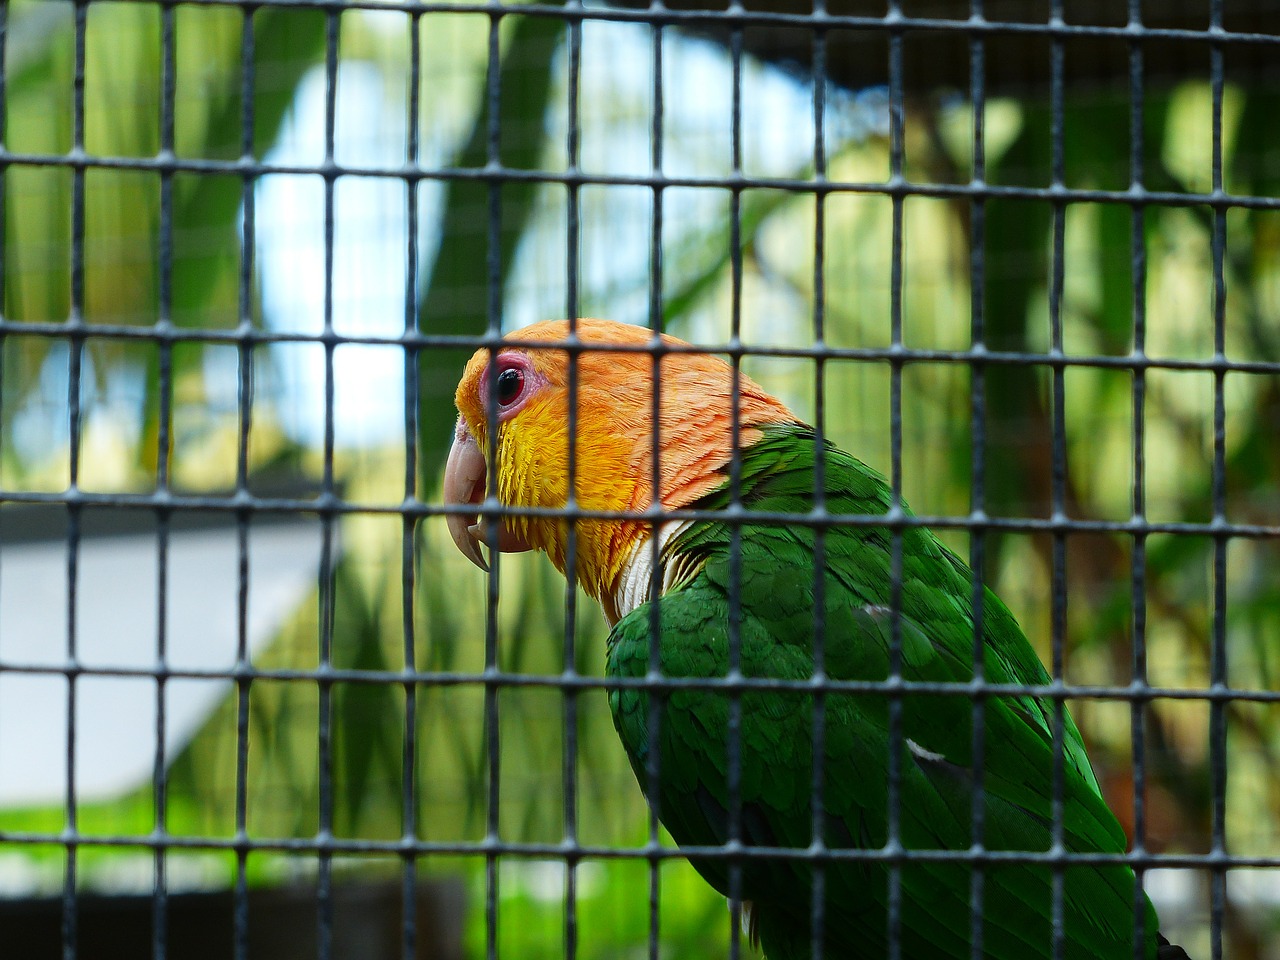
<point x="516" y="402"/>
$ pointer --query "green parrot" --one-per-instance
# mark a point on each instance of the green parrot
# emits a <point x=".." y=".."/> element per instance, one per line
<point x="773" y="601"/>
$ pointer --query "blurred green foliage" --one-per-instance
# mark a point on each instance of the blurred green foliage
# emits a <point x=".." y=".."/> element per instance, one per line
<point x="135" y="274"/>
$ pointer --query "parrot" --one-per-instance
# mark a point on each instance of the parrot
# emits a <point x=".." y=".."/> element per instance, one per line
<point x="860" y="809"/>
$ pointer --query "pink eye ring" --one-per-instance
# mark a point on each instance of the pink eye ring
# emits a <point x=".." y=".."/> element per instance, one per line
<point x="514" y="381"/>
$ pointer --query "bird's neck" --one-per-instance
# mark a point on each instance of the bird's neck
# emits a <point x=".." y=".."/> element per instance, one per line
<point x="649" y="571"/>
<point x="612" y="558"/>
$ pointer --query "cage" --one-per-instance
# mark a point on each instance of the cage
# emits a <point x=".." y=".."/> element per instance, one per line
<point x="1021" y="258"/>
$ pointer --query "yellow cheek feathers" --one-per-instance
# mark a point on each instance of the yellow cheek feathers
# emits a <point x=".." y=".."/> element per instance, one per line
<point x="533" y="471"/>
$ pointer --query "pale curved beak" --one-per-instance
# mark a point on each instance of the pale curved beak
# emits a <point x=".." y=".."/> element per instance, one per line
<point x="465" y="475"/>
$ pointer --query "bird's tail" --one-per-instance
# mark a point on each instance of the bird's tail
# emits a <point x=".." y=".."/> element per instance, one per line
<point x="1169" y="951"/>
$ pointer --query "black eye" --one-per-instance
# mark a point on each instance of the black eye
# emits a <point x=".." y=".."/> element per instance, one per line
<point x="510" y="382"/>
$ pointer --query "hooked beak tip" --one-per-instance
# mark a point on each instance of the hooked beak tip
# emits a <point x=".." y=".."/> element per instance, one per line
<point x="469" y="544"/>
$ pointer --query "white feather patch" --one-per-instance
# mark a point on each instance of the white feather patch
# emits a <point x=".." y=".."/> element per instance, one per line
<point x="922" y="753"/>
<point x="637" y="575"/>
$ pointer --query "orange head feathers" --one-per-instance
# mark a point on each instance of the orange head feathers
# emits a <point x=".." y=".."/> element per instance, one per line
<point x="615" y="439"/>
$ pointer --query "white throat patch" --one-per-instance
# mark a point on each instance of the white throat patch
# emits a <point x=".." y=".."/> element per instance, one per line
<point x="637" y="576"/>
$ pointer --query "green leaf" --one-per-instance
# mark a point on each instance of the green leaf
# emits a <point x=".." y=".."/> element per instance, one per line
<point x="455" y="299"/>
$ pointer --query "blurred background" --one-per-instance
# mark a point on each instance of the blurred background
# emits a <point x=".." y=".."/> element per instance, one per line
<point x="201" y="308"/>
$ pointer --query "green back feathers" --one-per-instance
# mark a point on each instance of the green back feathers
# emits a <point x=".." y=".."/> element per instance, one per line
<point x="769" y="579"/>
<point x="937" y="587"/>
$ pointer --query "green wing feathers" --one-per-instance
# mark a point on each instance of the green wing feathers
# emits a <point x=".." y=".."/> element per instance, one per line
<point x="775" y="599"/>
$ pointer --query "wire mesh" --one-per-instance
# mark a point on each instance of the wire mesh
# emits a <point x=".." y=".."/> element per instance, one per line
<point x="737" y="32"/>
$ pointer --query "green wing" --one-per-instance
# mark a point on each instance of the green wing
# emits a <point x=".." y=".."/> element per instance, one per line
<point x="774" y="595"/>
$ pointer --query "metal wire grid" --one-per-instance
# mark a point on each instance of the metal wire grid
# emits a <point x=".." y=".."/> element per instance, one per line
<point x="330" y="508"/>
